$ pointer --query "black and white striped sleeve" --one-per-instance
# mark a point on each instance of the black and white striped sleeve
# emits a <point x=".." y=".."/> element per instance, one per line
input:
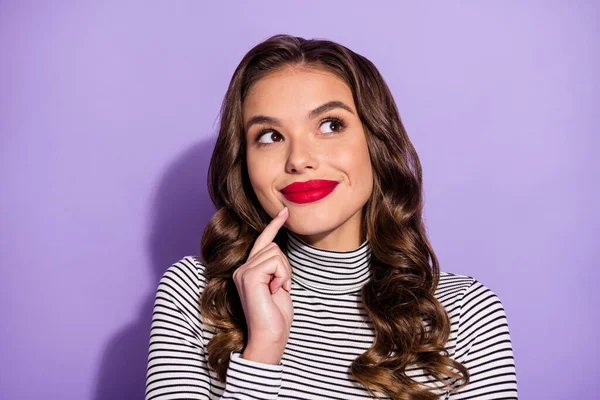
<point x="177" y="367"/>
<point x="484" y="347"/>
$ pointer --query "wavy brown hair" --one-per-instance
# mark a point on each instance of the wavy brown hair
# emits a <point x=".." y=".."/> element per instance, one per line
<point x="411" y="326"/>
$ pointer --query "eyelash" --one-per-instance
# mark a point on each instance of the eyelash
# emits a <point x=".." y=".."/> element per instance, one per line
<point x="330" y="118"/>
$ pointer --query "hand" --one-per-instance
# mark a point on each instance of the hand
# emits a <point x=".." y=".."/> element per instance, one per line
<point x="263" y="284"/>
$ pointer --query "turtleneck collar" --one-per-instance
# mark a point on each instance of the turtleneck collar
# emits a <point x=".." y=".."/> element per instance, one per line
<point x="328" y="271"/>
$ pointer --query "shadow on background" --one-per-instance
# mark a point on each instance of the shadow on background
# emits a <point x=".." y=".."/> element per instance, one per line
<point x="180" y="211"/>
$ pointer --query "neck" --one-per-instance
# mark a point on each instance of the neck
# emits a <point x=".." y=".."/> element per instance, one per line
<point x="328" y="272"/>
<point x="343" y="238"/>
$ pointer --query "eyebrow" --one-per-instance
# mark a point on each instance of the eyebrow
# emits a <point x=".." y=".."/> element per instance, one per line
<point x="330" y="105"/>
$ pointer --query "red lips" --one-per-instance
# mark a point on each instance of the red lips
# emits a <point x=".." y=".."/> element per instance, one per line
<point x="309" y="191"/>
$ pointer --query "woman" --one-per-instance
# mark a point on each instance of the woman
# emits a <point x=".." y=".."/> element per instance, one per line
<point x="317" y="279"/>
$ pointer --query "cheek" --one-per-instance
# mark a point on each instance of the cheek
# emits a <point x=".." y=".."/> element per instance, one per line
<point x="362" y="177"/>
<point x="356" y="163"/>
<point x="260" y="173"/>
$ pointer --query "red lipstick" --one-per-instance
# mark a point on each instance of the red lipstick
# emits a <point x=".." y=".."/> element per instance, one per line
<point x="309" y="191"/>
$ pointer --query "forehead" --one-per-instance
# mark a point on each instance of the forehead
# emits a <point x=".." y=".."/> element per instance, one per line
<point x="293" y="91"/>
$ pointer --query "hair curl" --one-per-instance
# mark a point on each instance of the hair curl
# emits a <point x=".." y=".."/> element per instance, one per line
<point x="411" y="326"/>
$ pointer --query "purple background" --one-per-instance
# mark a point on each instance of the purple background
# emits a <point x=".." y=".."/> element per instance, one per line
<point x="108" y="112"/>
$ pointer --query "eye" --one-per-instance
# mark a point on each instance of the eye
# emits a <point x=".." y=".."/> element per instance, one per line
<point x="334" y="125"/>
<point x="268" y="136"/>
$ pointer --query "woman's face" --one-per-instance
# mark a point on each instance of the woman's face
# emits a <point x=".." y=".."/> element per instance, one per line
<point x="302" y="128"/>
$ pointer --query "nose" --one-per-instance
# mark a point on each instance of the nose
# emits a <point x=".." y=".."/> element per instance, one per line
<point x="301" y="156"/>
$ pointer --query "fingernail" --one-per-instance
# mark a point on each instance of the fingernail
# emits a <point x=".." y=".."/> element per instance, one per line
<point x="282" y="211"/>
<point x="288" y="285"/>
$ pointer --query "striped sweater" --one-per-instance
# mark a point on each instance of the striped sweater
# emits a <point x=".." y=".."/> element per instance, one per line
<point x="329" y="330"/>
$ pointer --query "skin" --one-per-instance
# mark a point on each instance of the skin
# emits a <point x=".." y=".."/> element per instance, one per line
<point x="296" y="148"/>
<point x="301" y="149"/>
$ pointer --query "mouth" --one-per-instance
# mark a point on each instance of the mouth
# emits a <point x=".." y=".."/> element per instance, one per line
<point x="309" y="191"/>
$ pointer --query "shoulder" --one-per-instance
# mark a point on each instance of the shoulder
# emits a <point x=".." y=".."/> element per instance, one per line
<point x="461" y="291"/>
<point x="184" y="280"/>
<point x="189" y="270"/>
<point x="451" y="290"/>
<point x="474" y="310"/>
<point x="468" y="302"/>
<point x="176" y="315"/>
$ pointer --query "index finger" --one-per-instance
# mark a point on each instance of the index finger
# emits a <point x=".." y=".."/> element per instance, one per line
<point x="270" y="231"/>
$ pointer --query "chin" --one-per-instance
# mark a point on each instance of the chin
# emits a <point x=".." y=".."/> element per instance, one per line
<point x="307" y="231"/>
<point x="313" y="225"/>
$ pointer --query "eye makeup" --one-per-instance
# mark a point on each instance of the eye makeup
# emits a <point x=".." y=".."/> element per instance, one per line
<point x="329" y="119"/>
